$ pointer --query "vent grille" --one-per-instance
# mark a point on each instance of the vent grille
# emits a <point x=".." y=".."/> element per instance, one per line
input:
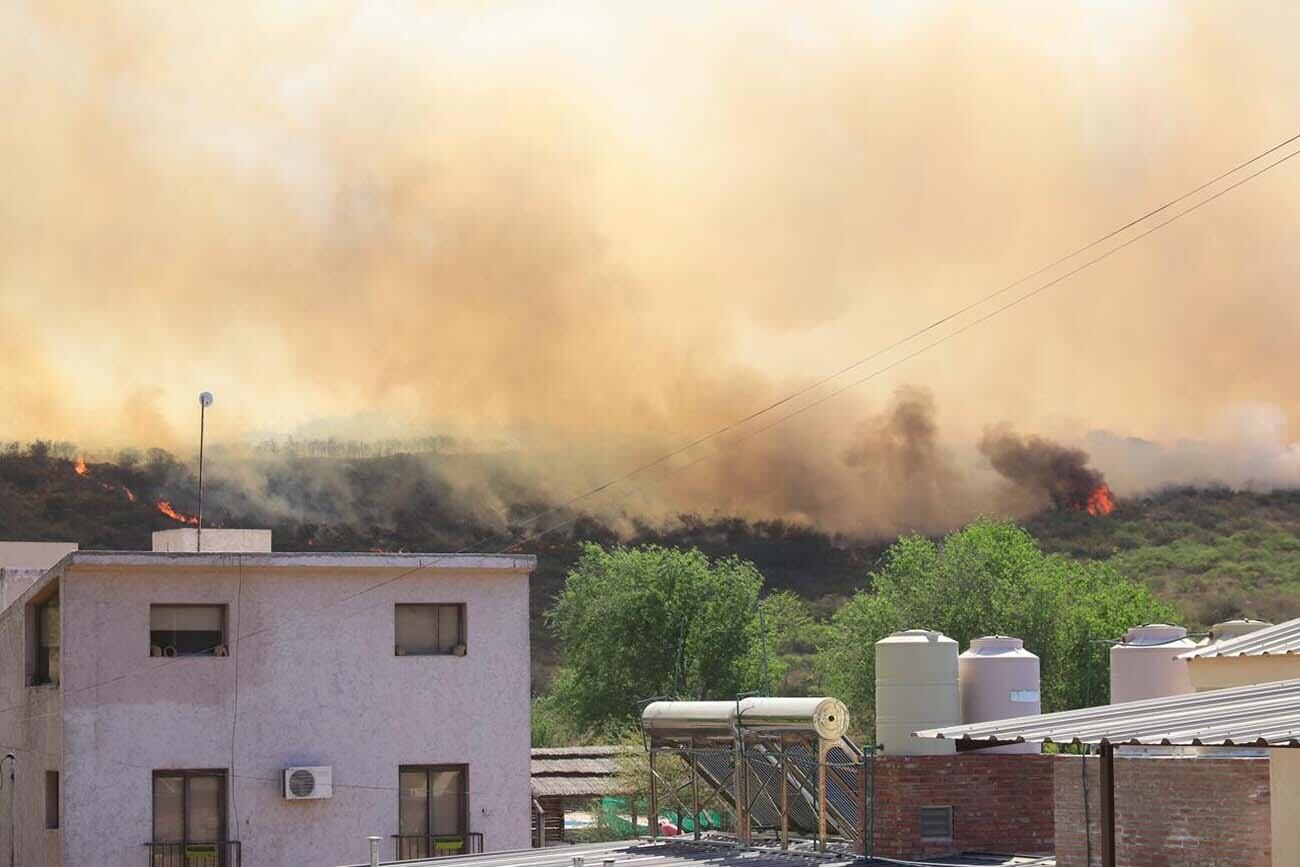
<point x="936" y="823"/>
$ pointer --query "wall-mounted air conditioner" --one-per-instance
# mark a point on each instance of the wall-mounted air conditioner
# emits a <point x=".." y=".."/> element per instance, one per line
<point x="301" y="784"/>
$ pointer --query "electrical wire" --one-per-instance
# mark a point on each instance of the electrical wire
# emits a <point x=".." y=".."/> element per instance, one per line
<point x="732" y="425"/>
<point x="811" y="404"/>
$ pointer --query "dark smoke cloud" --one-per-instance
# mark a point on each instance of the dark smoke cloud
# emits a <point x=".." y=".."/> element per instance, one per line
<point x="1056" y="474"/>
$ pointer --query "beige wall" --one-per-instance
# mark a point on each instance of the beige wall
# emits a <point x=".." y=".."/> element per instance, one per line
<point x="1224" y="671"/>
<point x="1284" y="784"/>
<point x="31" y="729"/>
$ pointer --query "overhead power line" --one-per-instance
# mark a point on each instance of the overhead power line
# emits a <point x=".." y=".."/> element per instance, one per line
<point x="436" y="559"/>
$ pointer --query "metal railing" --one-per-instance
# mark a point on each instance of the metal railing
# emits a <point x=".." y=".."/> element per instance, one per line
<point x="216" y="854"/>
<point x="411" y="846"/>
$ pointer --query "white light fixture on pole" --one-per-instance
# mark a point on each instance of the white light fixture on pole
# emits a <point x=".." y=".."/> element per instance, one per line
<point x="205" y="401"/>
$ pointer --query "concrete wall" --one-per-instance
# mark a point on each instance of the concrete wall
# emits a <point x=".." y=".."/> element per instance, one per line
<point x="1169" y="812"/>
<point x="1225" y="671"/>
<point x="31" y="730"/>
<point x="1284" y="781"/>
<point x="1001" y="803"/>
<point x="214" y="540"/>
<point x="33" y="555"/>
<point x="325" y="689"/>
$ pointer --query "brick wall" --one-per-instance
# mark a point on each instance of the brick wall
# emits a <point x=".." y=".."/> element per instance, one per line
<point x="1001" y="803"/>
<point x="1169" y="812"/>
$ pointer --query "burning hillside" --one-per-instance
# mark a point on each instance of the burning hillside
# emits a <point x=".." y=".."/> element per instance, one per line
<point x="1058" y="474"/>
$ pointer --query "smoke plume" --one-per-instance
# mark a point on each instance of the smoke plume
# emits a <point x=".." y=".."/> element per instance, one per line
<point x="577" y="236"/>
<point x="1057" y="474"/>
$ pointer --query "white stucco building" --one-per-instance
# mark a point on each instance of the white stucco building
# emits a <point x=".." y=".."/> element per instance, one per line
<point x="150" y="703"/>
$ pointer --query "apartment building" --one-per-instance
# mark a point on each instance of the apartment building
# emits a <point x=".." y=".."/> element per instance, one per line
<point x="244" y="707"/>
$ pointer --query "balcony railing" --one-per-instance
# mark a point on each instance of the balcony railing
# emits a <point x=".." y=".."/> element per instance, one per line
<point x="222" y="854"/>
<point x="410" y="846"/>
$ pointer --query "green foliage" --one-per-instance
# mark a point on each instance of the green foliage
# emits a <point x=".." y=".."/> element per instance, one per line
<point x="990" y="578"/>
<point x="639" y="622"/>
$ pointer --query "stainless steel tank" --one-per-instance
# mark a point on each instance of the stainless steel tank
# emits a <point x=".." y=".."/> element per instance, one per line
<point x="827" y="717"/>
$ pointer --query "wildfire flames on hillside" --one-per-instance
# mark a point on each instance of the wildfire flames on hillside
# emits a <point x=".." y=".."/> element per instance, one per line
<point x="172" y="512"/>
<point x="1058" y="472"/>
<point x="80" y="467"/>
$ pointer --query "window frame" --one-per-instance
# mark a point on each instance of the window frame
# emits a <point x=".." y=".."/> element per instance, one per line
<point x="225" y="629"/>
<point x="463" y="616"/>
<point x="429" y="771"/>
<point x="185" y="774"/>
<point x="38" y="669"/>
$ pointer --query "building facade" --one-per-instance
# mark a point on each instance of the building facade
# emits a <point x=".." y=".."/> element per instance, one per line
<point x="152" y="702"/>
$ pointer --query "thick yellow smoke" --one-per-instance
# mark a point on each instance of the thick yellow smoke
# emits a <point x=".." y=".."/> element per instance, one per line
<point x="593" y="231"/>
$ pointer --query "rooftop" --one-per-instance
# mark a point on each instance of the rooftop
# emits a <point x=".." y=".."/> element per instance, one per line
<point x="687" y="853"/>
<point x="1259" y="715"/>
<point x="577" y="772"/>
<point x="1281" y="639"/>
<point x="299" y="559"/>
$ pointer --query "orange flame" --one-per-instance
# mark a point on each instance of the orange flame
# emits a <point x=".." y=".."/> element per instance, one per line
<point x="170" y="511"/>
<point x="1101" y="501"/>
<point x="80" y="466"/>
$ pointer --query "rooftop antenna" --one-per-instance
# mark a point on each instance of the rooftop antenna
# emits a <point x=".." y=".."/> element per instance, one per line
<point x="205" y="401"/>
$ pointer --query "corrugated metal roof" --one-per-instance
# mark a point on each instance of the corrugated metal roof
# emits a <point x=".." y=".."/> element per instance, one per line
<point x="1265" y="714"/>
<point x="683" y="854"/>
<point x="1271" y="640"/>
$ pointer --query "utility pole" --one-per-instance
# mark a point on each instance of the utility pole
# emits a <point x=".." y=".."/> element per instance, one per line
<point x="205" y="401"/>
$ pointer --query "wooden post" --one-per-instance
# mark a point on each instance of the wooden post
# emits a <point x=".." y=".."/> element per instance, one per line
<point x="1107" y="805"/>
<point x="821" y="794"/>
<point x="695" y="790"/>
<point x="742" y="820"/>
<point x="653" y="816"/>
<point x="785" y="799"/>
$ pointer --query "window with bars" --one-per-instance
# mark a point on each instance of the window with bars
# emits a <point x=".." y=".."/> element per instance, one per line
<point x="425" y="629"/>
<point x="936" y="823"/>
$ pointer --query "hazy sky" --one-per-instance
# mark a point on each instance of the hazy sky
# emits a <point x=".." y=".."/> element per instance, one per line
<point x="603" y="229"/>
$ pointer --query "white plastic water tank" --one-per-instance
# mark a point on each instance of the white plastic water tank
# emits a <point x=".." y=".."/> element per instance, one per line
<point x="999" y="680"/>
<point x="1145" y="665"/>
<point x="1228" y="629"/>
<point x="916" y="688"/>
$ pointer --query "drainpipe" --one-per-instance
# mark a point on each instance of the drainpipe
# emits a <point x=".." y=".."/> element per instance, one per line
<point x="374" y="850"/>
<point x="1107" y="804"/>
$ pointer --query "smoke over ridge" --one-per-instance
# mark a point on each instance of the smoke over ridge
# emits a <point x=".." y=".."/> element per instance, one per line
<point x="586" y="235"/>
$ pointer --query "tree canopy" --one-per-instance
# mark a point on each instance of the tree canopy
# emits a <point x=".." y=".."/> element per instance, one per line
<point x="640" y="622"/>
<point x="989" y="578"/>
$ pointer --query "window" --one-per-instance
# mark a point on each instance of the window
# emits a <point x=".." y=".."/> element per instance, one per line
<point x="189" y="807"/>
<point x="46" y="663"/>
<point x="429" y="630"/>
<point x="52" y="800"/>
<point x="936" y="823"/>
<point x="187" y="630"/>
<point x="432" y="810"/>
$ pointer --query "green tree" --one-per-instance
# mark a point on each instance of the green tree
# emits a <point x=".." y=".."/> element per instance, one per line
<point x="638" y="622"/>
<point x="989" y="578"/>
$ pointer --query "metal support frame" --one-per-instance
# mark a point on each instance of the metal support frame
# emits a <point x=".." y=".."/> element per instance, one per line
<point x="695" y="793"/>
<point x="1107" y="805"/>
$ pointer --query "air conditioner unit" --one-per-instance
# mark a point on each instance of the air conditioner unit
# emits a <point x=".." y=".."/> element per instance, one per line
<point x="301" y="784"/>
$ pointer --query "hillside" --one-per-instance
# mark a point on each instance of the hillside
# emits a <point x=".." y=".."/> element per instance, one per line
<point x="1212" y="552"/>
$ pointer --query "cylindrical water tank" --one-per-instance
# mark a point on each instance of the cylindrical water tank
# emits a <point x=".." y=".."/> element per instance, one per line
<point x="688" y="720"/>
<point x="1146" y="664"/>
<point x="1227" y="630"/>
<point x="828" y="717"/>
<point x="916" y="688"/>
<point x="999" y="680"/>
